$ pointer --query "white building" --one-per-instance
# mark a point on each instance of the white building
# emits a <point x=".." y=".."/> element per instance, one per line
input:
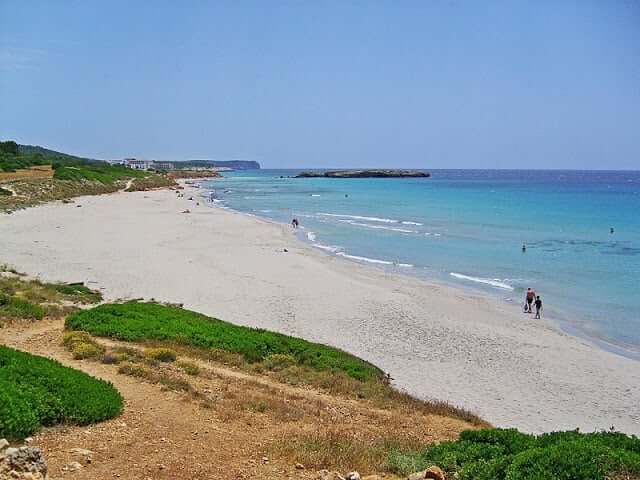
<point x="163" y="165"/>
<point x="138" y="164"/>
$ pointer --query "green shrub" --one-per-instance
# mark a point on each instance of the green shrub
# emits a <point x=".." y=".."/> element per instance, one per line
<point x="71" y="338"/>
<point x="36" y="391"/>
<point x="78" y="292"/>
<point x="15" y="308"/>
<point x="82" y="350"/>
<point x="189" y="368"/>
<point x="160" y="354"/>
<point x="279" y="361"/>
<point x="494" y="454"/>
<point x="134" y="370"/>
<point x="137" y="321"/>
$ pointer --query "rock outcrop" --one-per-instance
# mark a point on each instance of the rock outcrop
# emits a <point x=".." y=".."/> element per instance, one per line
<point x="24" y="463"/>
<point x="432" y="473"/>
<point x="372" y="173"/>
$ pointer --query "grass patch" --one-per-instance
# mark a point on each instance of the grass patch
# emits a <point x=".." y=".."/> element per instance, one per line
<point x="189" y="368"/>
<point x="16" y="308"/>
<point x="151" y="182"/>
<point x="97" y="172"/>
<point x="344" y="450"/>
<point x="160" y="354"/>
<point x="82" y="346"/>
<point x="135" y="370"/>
<point x="286" y="359"/>
<point x="136" y="321"/>
<point x="22" y="299"/>
<point x="169" y="382"/>
<point x="35" y="392"/>
<point x="494" y="454"/>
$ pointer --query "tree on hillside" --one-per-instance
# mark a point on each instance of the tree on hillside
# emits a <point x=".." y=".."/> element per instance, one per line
<point x="9" y="147"/>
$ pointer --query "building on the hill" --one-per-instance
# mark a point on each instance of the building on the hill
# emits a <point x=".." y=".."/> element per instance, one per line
<point x="138" y="164"/>
<point x="163" y="165"/>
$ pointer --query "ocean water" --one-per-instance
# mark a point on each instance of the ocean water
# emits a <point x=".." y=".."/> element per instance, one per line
<point x="467" y="227"/>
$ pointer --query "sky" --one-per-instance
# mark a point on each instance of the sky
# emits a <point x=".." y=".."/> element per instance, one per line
<point x="345" y="83"/>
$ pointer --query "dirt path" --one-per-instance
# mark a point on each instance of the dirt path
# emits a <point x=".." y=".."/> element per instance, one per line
<point x="163" y="434"/>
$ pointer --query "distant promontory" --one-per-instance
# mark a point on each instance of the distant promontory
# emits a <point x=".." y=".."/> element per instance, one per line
<point x="370" y="173"/>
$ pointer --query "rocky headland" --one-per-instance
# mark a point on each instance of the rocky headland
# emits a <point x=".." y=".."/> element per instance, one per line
<point x="370" y="173"/>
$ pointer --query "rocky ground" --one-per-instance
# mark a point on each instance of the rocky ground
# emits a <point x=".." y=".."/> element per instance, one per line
<point x="228" y="424"/>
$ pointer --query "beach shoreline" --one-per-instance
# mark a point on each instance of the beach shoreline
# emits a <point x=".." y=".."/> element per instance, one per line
<point x="437" y="341"/>
<point x="563" y="320"/>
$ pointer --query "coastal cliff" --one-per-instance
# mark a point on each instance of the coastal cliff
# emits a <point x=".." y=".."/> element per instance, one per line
<point x="373" y="173"/>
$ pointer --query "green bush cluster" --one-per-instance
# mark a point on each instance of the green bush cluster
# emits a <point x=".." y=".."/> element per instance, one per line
<point x="82" y="346"/>
<point x="189" y="368"/>
<point x="161" y="354"/>
<point x="78" y="292"/>
<point x="15" y="308"/>
<point x="138" y="321"/>
<point x="36" y="391"/>
<point x="496" y="454"/>
<point x="96" y="171"/>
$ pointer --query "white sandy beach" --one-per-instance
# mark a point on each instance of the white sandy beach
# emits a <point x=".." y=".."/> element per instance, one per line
<point x="435" y="341"/>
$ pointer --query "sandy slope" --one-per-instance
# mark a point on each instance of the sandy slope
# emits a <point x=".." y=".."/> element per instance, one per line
<point x="435" y="341"/>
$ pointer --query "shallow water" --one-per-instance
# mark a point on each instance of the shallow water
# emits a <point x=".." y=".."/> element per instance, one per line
<point x="468" y="226"/>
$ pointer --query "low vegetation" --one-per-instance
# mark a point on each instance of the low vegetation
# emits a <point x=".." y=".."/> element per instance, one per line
<point x="286" y="359"/>
<point x="150" y="182"/>
<point x="137" y="321"/>
<point x="82" y="346"/>
<point x="494" y="454"/>
<point x="24" y="299"/>
<point x="35" y="392"/>
<point x="33" y="175"/>
<point x="101" y="172"/>
<point x="160" y="354"/>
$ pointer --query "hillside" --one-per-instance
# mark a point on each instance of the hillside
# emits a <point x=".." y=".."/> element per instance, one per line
<point x="30" y="175"/>
<point x="35" y="149"/>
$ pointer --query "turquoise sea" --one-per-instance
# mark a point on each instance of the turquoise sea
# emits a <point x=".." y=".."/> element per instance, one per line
<point x="467" y="227"/>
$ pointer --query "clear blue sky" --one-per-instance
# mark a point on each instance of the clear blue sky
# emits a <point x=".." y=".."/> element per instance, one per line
<point x="468" y="84"/>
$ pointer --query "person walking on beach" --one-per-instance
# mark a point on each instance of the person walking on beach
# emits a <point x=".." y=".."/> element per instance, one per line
<point x="538" y="306"/>
<point x="531" y="295"/>
<point x="294" y="223"/>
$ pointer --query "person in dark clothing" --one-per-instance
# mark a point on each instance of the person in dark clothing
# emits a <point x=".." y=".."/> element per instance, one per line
<point x="538" y="306"/>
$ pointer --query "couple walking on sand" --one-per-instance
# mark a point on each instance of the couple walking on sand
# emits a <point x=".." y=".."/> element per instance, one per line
<point x="532" y="298"/>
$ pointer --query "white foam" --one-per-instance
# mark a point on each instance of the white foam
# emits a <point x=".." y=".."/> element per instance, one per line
<point x="406" y="222"/>
<point x="328" y="248"/>
<point x="359" y="217"/>
<point x="378" y="227"/>
<point x="311" y="236"/>
<point x="364" y="259"/>
<point x="404" y="265"/>
<point x="315" y="194"/>
<point x="495" y="282"/>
